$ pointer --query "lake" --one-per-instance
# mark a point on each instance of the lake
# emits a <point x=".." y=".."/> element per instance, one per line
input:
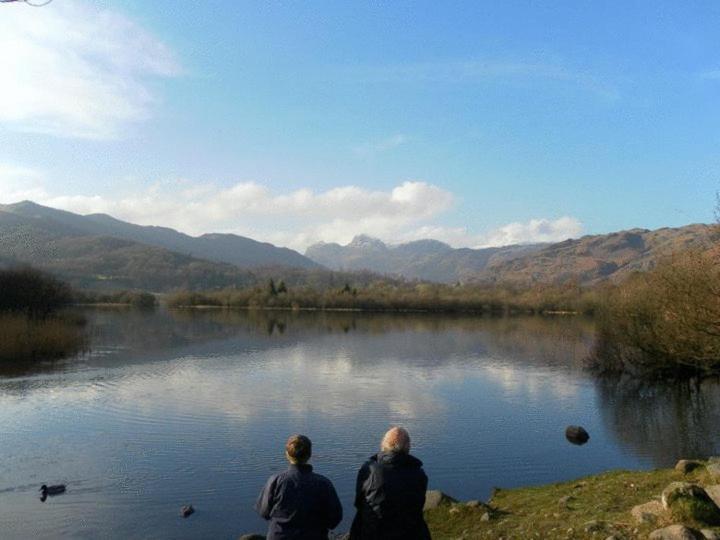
<point x="194" y="407"/>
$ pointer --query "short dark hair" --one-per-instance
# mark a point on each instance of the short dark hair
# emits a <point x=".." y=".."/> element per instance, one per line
<point x="298" y="449"/>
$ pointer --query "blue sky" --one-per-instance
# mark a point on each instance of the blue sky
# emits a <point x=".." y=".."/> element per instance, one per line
<point x="476" y="123"/>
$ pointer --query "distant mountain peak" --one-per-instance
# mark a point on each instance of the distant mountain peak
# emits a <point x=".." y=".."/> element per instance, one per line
<point x="363" y="241"/>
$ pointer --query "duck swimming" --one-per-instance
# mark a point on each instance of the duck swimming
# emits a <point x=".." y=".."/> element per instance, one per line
<point x="52" y="490"/>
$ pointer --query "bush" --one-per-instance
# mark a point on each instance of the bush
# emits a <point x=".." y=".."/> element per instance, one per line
<point x="29" y="291"/>
<point x="665" y="320"/>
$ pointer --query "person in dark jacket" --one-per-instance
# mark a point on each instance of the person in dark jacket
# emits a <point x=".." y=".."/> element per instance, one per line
<point x="390" y="493"/>
<point x="300" y="504"/>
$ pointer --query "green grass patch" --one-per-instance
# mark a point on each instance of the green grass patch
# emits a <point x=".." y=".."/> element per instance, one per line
<point x="592" y="507"/>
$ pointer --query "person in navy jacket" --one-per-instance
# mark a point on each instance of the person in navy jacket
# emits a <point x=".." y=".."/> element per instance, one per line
<point x="300" y="504"/>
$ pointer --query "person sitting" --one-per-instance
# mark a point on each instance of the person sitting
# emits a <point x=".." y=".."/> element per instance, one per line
<point x="390" y="493"/>
<point x="300" y="504"/>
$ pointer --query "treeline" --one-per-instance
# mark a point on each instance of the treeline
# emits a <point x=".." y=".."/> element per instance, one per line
<point x="31" y="292"/>
<point x="138" y="299"/>
<point x="383" y="295"/>
<point x="665" y="321"/>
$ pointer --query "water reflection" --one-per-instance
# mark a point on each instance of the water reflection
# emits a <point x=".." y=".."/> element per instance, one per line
<point x="203" y="400"/>
<point x="665" y="420"/>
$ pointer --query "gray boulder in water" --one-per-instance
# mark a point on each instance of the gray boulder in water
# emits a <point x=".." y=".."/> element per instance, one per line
<point x="186" y="510"/>
<point x="577" y="435"/>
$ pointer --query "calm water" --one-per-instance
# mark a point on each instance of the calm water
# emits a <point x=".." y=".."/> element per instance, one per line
<point x="176" y="408"/>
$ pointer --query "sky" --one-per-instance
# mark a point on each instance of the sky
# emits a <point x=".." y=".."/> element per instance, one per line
<point x="475" y="123"/>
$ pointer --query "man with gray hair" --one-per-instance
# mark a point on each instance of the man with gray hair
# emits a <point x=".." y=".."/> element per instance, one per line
<point x="390" y="493"/>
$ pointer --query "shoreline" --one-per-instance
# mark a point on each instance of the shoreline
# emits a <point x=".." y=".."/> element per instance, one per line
<point x="613" y="505"/>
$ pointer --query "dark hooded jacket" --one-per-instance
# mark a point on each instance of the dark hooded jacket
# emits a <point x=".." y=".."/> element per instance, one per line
<point x="389" y="497"/>
<point x="300" y="504"/>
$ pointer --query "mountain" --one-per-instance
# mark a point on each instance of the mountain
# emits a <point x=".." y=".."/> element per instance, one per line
<point x="592" y="259"/>
<point x="227" y="248"/>
<point x="105" y="262"/>
<point x="587" y="260"/>
<point x="429" y="260"/>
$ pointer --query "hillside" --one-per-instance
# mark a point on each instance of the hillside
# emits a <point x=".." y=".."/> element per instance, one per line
<point x="103" y="262"/>
<point x="429" y="260"/>
<point x="592" y="259"/>
<point x="226" y="248"/>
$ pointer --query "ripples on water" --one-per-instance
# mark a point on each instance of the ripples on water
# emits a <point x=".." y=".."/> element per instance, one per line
<point x="194" y="407"/>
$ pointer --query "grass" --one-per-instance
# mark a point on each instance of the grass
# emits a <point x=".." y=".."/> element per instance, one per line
<point x="597" y="507"/>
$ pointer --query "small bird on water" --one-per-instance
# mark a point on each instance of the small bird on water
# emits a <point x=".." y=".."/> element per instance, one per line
<point x="46" y="491"/>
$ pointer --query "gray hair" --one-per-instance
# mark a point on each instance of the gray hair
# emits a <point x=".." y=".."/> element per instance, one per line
<point x="397" y="439"/>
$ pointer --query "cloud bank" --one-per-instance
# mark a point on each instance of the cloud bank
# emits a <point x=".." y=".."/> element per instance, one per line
<point x="408" y="211"/>
<point x="74" y="70"/>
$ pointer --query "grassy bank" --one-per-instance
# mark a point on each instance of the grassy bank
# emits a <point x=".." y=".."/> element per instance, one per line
<point x="592" y="507"/>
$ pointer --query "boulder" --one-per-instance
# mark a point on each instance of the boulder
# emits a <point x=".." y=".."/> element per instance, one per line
<point x="687" y="465"/>
<point x="714" y="493"/>
<point x="576" y="435"/>
<point x="710" y="534"/>
<point x="435" y="498"/>
<point x="648" y="512"/>
<point x="690" y="502"/>
<point x="676" y="532"/>
<point x="187" y="510"/>
<point x="565" y="501"/>
<point x="713" y="469"/>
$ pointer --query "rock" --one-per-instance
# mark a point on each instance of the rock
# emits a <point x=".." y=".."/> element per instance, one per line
<point x="648" y="512"/>
<point x="687" y="465"/>
<point x="187" y="510"/>
<point x="258" y="537"/>
<point x="676" y="532"/>
<point x="690" y="502"/>
<point x="455" y="510"/>
<point x="714" y="470"/>
<point x="485" y="517"/>
<point x="565" y="501"/>
<point x="435" y="498"/>
<point x="709" y="534"/>
<point x="478" y="505"/>
<point x="576" y="435"/>
<point x="714" y="493"/>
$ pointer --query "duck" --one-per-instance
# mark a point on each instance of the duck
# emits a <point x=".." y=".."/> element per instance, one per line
<point x="52" y="490"/>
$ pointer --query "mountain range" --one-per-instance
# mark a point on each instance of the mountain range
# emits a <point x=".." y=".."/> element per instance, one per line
<point x="587" y="260"/>
<point x="101" y="252"/>
<point x="427" y="260"/>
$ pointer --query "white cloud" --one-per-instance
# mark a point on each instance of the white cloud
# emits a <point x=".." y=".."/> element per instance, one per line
<point x="296" y="219"/>
<point x="19" y="183"/>
<point x="380" y="146"/>
<point x="535" y="230"/>
<point x="72" y="69"/>
<point x="529" y="232"/>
